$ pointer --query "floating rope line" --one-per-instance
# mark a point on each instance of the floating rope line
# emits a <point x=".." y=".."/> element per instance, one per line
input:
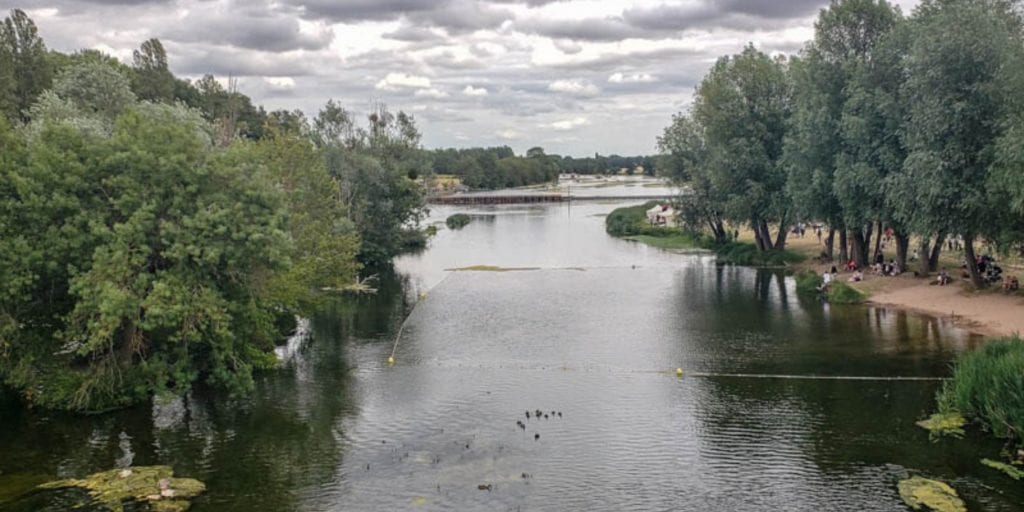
<point x="422" y="296"/>
<point x="814" y="377"/>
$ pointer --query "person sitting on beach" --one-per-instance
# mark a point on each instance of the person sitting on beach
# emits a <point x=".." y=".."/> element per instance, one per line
<point x="857" y="277"/>
<point x="944" y="278"/>
<point x="1011" y="284"/>
<point x="896" y="270"/>
<point x="851" y="265"/>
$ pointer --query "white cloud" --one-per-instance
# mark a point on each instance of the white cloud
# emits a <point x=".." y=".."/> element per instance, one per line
<point x="431" y="93"/>
<point x="568" y="124"/>
<point x="576" y="86"/>
<point x="510" y="135"/>
<point x="474" y="91"/>
<point x="635" y="78"/>
<point x="396" y="81"/>
<point x="280" y="83"/>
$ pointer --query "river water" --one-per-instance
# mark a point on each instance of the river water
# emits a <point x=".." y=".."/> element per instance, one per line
<point x="590" y="336"/>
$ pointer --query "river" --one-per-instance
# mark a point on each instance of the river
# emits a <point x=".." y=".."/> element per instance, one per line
<point x="590" y="336"/>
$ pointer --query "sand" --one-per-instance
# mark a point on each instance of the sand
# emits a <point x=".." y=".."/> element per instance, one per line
<point x="991" y="312"/>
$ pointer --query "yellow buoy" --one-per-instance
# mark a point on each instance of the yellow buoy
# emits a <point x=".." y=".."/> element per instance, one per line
<point x="679" y="372"/>
<point x="423" y="295"/>
<point x="391" y="359"/>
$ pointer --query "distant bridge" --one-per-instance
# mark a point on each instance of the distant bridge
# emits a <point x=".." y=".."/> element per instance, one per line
<point x="473" y="199"/>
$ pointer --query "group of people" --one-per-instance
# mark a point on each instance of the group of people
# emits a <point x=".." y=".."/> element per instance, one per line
<point x="881" y="267"/>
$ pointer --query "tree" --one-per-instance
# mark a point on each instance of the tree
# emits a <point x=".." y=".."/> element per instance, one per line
<point x="141" y="263"/>
<point x="27" y="72"/>
<point x="742" y="106"/>
<point x="95" y="89"/>
<point x="152" y="79"/>
<point x="686" y="165"/>
<point x="960" y="81"/>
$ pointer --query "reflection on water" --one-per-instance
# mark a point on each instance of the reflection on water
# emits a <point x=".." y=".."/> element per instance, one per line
<point x="593" y="335"/>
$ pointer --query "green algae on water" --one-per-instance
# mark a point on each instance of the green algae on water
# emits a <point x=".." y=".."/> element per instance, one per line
<point x="153" y="484"/>
<point x="945" y="424"/>
<point x="923" y="494"/>
<point x="490" y="268"/>
<point x="1012" y="471"/>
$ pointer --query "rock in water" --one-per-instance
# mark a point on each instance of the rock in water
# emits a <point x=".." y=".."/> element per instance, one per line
<point x="153" y="484"/>
<point x="924" y="494"/>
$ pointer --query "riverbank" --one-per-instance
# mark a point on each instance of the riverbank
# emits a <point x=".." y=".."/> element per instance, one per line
<point x="988" y="312"/>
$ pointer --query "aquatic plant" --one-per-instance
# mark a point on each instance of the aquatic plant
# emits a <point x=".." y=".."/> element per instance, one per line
<point x="1012" y="471"/>
<point x="153" y="484"/>
<point x="842" y="293"/>
<point x="923" y="494"/>
<point x="988" y="387"/>
<point x="489" y="268"/>
<point x="457" y="221"/>
<point x="949" y="424"/>
<point x="808" y="281"/>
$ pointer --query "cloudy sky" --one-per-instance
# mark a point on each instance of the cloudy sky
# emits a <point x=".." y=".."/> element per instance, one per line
<point x="573" y="76"/>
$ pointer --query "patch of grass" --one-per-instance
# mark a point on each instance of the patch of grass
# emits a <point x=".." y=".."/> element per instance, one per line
<point x="490" y="268"/>
<point x="1012" y="471"/>
<point x="746" y="254"/>
<point x="988" y="387"/>
<point x="632" y="221"/>
<point x="841" y="293"/>
<point x="923" y="494"/>
<point x="808" y="281"/>
<point x="457" y="221"/>
<point x="948" y="424"/>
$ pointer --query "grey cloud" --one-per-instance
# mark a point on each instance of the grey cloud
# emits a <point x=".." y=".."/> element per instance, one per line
<point x="414" y="34"/>
<point x="462" y="16"/>
<point x="253" y="30"/>
<point x="361" y="10"/>
<point x="222" y="61"/>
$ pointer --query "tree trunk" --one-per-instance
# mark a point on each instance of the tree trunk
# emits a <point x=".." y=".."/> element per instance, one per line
<point x="860" y="246"/>
<point x="780" y="238"/>
<point x="766" y="236"/>
<point x="878" y="241"/>
<point x="843" y="255"/>
<point x="902" y="244"/>
<point x="972" y="264"/>
<point x="933" y="259"/>
<point x="830" y="244"/>
<point x="758" y="239"/>
<point x="922" y="256"/>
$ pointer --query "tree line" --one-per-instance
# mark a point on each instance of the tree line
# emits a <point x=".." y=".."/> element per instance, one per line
<point x="497" y="167"/>
<point x="913" y="123"/>
<point x="157" y="234"/>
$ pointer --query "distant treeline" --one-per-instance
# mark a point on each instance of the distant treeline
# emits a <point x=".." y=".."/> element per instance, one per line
<point x="499" y="167"/>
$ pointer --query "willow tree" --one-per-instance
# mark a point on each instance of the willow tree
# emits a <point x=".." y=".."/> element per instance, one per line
<point x="829" y="177"/>
<point x="742" y="107"/>
<point x="960" y="87"/>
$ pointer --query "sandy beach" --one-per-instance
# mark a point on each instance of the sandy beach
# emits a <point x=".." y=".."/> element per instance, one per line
<point x="991" y="312"/>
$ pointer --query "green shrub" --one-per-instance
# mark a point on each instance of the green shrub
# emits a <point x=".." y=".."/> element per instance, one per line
<point x="457" y="221"/>
<point x="842" y="293"/>
<point x="988" y="387"/>
<point x="632" y="221"/>
<point x="808" y="281"/>
<point x="739" y="253"/>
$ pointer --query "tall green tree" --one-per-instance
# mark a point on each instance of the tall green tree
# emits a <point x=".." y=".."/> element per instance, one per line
<point x="743" y="106"/>
<point x="829" y="177"/>
<point x="152" y="80"/>
<point x="960" y="84"/>
<point x="27" y="73"/>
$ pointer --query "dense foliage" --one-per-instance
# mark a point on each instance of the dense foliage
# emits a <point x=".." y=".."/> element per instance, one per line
<point x="911" y="123"/>
<point x="156" y="234"/>
<point x="632" y="221"/>
<point x="988" y="387"/>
